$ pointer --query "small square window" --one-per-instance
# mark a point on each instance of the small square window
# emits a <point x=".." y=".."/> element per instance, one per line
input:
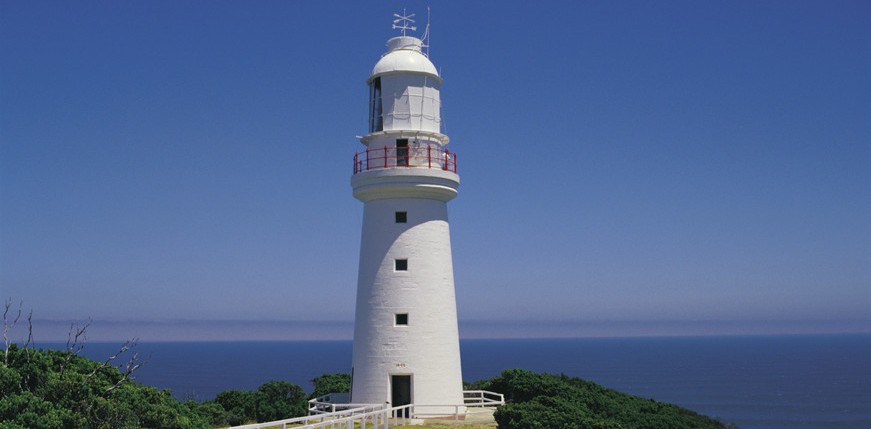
<point x="401" y="319"/>
<point x="401" y="265"/>
<point x="401" y="217"/>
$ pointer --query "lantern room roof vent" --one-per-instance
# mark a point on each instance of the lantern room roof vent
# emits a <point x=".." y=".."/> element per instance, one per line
<point x="404" y="42"/>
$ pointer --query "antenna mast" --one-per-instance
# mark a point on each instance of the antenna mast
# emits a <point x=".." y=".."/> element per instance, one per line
<point x="403" y="22"/>
<point x="425" y="38"/>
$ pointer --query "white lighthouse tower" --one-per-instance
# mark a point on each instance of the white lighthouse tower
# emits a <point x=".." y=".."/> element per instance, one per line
<point x="406" y="344"/>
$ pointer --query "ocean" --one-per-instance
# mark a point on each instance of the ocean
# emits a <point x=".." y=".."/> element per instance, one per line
<point x="755" y="382"/>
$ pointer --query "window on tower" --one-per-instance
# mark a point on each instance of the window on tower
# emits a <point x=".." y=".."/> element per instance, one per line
<point x="401" y="265"/>
<point x="376" y="121"/>
<point x="401" y="217"/>
<point x="401" y="319"/>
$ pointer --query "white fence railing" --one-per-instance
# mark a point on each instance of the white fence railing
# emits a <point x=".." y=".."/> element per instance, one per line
<point x="324" y="414"/>
<point x="375" y="417"/>
<point x="336" y="419"/>
<point x="482" y="398"/>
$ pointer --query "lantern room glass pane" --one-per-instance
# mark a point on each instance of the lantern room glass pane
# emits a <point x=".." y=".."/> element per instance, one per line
<point x="376" y="120"/>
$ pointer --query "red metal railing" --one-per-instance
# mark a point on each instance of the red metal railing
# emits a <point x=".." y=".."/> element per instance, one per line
<point x="390" y="157"/>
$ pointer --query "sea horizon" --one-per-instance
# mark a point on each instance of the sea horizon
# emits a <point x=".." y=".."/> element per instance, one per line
<point x="198" y="330"/>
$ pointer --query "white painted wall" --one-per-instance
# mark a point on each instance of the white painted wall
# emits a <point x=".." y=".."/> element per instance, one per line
<point x="428" y="348"/>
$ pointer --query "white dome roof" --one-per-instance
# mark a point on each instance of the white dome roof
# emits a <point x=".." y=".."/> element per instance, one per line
<point x="404" y="55"/>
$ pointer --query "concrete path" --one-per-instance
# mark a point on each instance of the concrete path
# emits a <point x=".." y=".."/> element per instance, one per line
<point x="479" y="416"/>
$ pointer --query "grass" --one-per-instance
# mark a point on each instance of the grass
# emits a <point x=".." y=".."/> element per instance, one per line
<point x="453" y="425"/>
<point x="479" y="420"/>
<point x="456" y="425"/>
<point x="439" y="425"/>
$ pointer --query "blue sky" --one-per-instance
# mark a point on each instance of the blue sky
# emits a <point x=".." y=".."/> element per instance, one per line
<point x="627" y="167"/>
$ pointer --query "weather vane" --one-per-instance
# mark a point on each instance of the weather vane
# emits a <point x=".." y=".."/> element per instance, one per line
<point x="404" y="21"/>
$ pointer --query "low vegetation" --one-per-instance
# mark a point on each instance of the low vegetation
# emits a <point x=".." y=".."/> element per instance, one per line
<point x="558" y="401"/>
<point x="58" y="389"/>
<point x="53" y="389"/>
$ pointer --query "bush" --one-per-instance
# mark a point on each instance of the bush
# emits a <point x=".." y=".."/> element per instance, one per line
<point x="331" y="383"/>
<point x="47" y="389"/>
<point x="273" y="400"/>
<point x="540" y="401"/>
<point x="278" y="400"/>
<point x="240" y="406"/>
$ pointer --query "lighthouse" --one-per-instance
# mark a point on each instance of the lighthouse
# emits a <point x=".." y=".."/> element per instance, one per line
<point x="406" y="344"/>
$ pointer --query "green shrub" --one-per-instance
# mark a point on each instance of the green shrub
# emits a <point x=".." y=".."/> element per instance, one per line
<point x="540" y="401"/>
<point x="48" y="389"/>
<point x="331" y="383"/>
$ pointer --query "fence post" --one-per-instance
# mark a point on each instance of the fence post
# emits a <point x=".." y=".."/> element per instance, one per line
<point x="385" y="156"/>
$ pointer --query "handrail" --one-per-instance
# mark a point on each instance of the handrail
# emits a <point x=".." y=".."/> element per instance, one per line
<point x="381" y="415"/>
<point x="319" y="407"/>
<point x="320" y="420"/>
<point x="471" y="398"/>
<point x="405" y="157"/>
<point x="482" y="398"/>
